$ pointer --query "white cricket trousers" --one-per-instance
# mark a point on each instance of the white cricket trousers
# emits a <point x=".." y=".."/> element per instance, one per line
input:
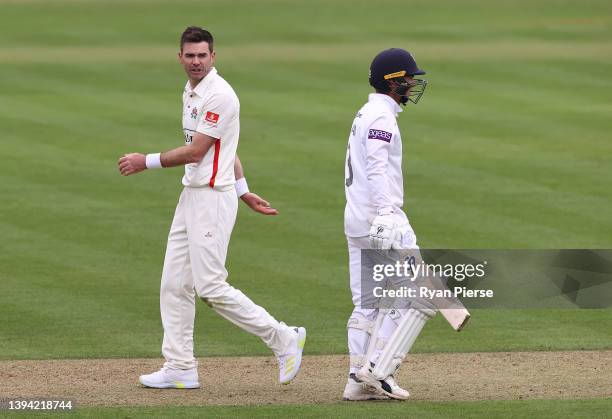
<point x="195" y="265"/>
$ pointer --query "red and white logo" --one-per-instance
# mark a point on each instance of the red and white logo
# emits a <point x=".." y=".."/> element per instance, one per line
<point x="212" y="117"/>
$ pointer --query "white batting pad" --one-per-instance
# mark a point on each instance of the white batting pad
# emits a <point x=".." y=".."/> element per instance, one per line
<point x="401" y="341"/>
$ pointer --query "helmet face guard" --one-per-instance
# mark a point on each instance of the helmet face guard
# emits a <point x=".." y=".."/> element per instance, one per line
<point x="408" y="90"/>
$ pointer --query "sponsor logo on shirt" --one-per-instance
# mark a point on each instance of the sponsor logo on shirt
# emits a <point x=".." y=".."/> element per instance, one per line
<point x="378" y="134"/>
<point x="212" y="117"/>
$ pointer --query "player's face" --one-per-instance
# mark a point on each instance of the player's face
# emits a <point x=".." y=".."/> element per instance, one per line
<point x="406" y="82"/>
<point x="197" y="60"/>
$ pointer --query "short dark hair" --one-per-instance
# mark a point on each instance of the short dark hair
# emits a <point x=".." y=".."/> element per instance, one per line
<point x="196" y="34"/>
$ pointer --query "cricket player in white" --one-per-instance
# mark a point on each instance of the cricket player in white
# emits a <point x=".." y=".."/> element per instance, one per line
<point x="203" y="222"/>
<point x="374" y="218"/>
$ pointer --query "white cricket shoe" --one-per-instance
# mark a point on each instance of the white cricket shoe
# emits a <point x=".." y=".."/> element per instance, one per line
<point x="170" y="378"/>
<point x="356" y="390"/>
<point x="387" y="387"/>
<point x="289" y="363"/>
<point x="400" y="393"/>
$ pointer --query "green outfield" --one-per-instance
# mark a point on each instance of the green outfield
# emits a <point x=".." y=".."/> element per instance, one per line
<point x="509" y="148"/>
<point x="509" y="409"/>
<point x="577" y="409"/>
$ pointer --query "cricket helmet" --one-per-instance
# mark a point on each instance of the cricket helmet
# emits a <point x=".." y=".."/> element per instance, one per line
<point x="388" y="71"/>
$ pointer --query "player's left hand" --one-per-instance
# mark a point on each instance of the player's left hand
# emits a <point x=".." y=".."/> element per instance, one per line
<point x="384" y="232"/>
<point x="132" y="163"/>
<point x="258" y="204"/>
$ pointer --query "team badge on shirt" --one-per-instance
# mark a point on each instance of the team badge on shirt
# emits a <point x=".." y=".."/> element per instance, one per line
<point x="194" y="113"/>
<point x="378" y="134"/>
<point x="212" y="117"/>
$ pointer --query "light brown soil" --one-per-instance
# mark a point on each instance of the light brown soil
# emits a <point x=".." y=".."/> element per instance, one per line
<point x="253" y="380"/>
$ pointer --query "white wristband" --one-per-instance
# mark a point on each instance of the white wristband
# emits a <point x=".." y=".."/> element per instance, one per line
<point x="153" y="161"/>
<point x="241" y="187"/>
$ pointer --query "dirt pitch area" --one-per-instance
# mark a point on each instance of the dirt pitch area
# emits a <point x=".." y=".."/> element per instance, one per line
<point x="253" y="380"/>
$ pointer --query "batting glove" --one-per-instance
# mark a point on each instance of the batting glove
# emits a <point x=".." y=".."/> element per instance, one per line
<point x="384" y="232"/>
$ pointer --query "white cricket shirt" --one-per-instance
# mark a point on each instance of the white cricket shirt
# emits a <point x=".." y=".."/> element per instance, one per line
<point x="212" y="108"/>
<point x="373" y="171"/>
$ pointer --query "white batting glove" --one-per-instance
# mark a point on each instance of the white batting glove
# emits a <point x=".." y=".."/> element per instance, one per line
<point x="384" y="232"/>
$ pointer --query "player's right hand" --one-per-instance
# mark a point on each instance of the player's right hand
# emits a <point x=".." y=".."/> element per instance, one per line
<point x="384" y="232"/>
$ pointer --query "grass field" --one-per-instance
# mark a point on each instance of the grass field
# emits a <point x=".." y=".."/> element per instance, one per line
<point x="511" y="409"/>
<point x="509" y="148"/>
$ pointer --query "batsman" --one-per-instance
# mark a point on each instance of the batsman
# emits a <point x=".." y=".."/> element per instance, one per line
<point x="378" y="339"/>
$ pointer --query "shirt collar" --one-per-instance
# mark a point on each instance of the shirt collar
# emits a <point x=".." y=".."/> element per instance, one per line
<point x="386" y="100"/>
<point x="203" y="84"/>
